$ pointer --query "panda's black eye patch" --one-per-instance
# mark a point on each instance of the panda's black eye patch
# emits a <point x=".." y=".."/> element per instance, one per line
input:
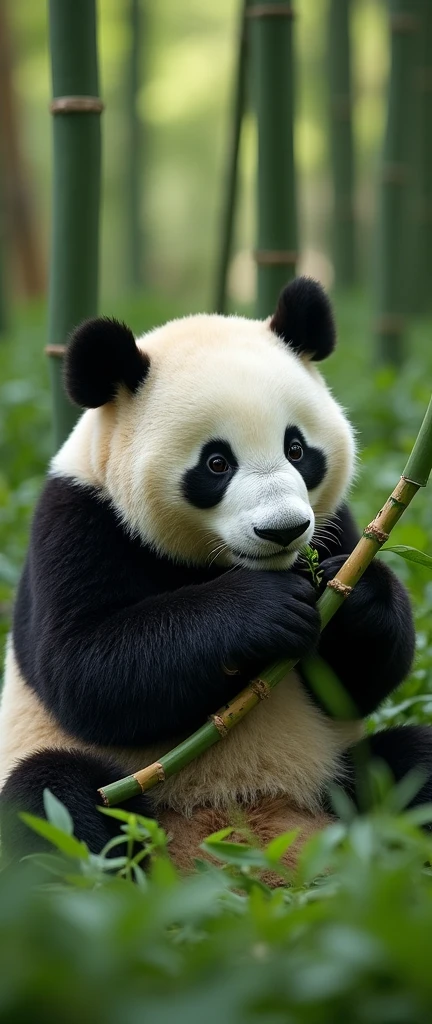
<point x="310" y="462"/>
<point x="205" y="484"/>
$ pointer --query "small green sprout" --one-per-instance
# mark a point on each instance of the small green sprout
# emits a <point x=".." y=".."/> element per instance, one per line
<point x="312" y="559"/>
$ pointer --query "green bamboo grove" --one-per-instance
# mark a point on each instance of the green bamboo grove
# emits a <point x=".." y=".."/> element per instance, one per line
<point x="76" y="109"/>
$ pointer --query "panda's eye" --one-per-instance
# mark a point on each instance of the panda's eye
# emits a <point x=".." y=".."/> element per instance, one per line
<point x="295" y="451"/>
<point x="217" y="464"/>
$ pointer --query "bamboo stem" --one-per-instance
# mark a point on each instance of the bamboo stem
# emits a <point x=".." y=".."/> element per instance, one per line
<point x="133" y="196"/>
<point x="415" y="475"/>
<point x="396" y="170"/>
<point x="76" y="109"/>
<point x="341" y="141"/>
<point x="271" y="32"/>
<point x="420" y="248"/>
<point x="238" y="109"/>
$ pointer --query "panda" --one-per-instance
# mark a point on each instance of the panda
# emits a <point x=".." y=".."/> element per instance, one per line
<point x="165" y="571"/>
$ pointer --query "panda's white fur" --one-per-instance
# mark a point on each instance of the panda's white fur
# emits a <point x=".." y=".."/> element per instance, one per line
<point x="211" y="377"/>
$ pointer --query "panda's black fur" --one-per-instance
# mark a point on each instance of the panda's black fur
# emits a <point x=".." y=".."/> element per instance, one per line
<point x="126" y="647"/>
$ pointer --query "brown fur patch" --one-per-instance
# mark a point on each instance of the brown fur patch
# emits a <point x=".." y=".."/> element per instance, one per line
<point x="266" y="820"/>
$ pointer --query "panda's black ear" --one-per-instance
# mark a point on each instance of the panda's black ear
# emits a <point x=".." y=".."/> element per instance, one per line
<point x="304" y="319"/>
<point x="101" y="354"/>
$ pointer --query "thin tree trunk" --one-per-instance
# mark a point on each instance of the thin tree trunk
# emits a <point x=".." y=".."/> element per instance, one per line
<point x="341" y="141"/>
<point x="228" y="216"/>
<point x="76" y="108"/>
<point x="273" y="75"/>
<point x="4" y="305"/>
<point x="133" y="193"/>
<point x="20" y="219"/>
<point x="422" y="198"/>
<point x="391" y="251"/>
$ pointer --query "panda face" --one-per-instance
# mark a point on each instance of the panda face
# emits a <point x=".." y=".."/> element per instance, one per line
<point x="227" y="450"/>
<point x="258" y="503"/>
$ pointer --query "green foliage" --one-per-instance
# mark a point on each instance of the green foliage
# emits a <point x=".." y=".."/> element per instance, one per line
<point x="312" y="558"/>
<point x="344" y="938"/>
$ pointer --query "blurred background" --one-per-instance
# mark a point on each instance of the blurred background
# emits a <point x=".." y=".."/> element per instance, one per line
<point x="187" y="58"/>
<point x="361" y="72"/>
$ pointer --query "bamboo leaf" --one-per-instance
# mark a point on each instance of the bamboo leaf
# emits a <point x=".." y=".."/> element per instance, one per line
<point x="419" y="815"/>
<point x="278" y="847"/>
<point x="216" y="837"/>
<point x="410" y="554"/>
<point x="67" y="844"/>
<point x="57" y="813"/>
<point x="238" y="853"/>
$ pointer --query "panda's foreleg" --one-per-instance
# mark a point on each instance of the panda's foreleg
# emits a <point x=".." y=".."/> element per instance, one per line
<point x="403" y="749"/>
<point x="74" y="777"/>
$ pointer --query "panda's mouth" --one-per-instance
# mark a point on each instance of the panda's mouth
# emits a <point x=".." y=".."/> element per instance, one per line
<point x="281" y="553"/>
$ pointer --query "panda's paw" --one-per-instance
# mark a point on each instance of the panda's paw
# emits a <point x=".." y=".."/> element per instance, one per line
<point x="279" y="617"/>
<point x="378" y="586"/>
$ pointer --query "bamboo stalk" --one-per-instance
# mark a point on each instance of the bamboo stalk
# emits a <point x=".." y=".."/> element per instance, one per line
<point x="341" y="141"/>
<point x="21" y="215"/>
<point x="415" y="475"/>
<point x="4" y="309"/>
<point x="76" y="109"/>
<point x="133" y="192"/>
<point x="273" y="75"/>
<point x="420" y="248"/>
<point x="391" y="270"/>
<point x="228" y="215"/>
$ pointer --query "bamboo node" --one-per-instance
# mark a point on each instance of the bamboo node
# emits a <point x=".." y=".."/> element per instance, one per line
<point x="342" y="106"/>
<point x="394" y="173"/>
<point x="404" y="22"/>
<point x="219" y="723"/>
<point x="415" y="482"/>
<point x="373" y="532"/>
<point x="55" y="350"/>
<point x="76" y="105"/>
<point x="261" y="689"/>
<point x="281" y="10"/>
<point x="147" y="775"/>
<point x="104" y="798"/>
<point x="276" y="257"/>
<point x="339" y="587"/>
<point x="390" y="323"/>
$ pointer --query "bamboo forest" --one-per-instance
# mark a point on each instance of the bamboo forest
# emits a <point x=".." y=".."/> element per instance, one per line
<point x="215" y="546"/>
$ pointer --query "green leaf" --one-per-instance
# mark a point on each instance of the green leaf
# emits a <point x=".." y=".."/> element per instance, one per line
<point x="421" y="815"/>
<point x="57" y="813"/>
<point x="238" y="853"/>
<point x="67" y="844"/>
<point x="216" y="837"/>
<point x="410" y="554"/>
<point x="277" y="847"/>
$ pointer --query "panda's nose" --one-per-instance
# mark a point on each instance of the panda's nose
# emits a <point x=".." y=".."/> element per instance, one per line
<point x="285" y="535"/>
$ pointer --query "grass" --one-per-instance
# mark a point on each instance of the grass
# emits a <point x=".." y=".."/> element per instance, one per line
<point x="344" y="939"/>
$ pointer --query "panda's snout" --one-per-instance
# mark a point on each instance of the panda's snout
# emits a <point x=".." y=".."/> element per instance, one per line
<point x="283" y="535"/>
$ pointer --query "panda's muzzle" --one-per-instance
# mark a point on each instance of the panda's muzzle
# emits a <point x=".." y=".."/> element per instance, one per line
<point x="283" y="536"/>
